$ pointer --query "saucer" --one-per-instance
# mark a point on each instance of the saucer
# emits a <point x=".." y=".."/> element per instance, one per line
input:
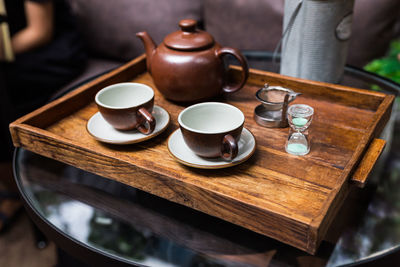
<point x="102" y="131"/>
<point x="182" y="153"/>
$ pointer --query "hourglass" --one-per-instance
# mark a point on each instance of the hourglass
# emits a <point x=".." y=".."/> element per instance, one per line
<point x="299" y="118"/>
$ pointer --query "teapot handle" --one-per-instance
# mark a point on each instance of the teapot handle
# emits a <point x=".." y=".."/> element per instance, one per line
<point x="243" y="63"/>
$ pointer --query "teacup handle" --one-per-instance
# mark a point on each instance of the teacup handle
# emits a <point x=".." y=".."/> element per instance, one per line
<point x="148" y="123"/>
<point x="234" y="52"/>
<point x="229" y="149"/>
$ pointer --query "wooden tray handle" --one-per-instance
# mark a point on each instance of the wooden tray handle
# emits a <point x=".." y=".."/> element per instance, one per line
<point x="361" y="174"/>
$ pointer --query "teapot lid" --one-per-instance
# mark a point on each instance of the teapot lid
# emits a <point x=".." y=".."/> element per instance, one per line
<point x="189" y="37"/>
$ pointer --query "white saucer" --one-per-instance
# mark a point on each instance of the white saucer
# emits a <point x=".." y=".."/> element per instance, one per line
<point x="104" y="132"/>
<point x="182" y="153"/>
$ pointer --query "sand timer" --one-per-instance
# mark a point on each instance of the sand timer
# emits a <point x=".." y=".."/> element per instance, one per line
<point x="299" y="118"/>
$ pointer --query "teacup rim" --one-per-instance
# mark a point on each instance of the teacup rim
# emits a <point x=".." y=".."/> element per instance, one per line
<point x="181" y="124"/>
<point x="109" y="87"/>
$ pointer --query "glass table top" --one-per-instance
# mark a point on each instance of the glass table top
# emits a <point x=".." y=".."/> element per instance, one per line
<point x="122" y="222"/>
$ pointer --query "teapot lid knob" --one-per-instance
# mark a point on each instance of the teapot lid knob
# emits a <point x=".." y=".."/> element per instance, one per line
<point x="188" y="25"/>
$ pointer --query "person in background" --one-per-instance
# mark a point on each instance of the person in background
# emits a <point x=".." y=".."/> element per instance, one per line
<point x="48" y="53"/>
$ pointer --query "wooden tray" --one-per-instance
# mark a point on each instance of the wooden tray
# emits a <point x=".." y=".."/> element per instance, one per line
<point x="292" y="199"/>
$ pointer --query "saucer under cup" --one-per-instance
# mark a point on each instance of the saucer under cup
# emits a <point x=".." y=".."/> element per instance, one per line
<point x="102" y="131"/>
<point x="183" y="154"/>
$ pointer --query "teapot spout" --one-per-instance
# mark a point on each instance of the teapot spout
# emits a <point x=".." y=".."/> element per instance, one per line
<point x="149" y="46"/>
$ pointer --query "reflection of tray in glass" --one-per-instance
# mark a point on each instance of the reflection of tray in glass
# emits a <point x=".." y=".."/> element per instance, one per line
<point x="292" y="199"/>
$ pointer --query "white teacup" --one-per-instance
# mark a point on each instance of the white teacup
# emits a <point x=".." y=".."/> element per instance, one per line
<point x="212" y="129"/>
<point x="127" y="106"/>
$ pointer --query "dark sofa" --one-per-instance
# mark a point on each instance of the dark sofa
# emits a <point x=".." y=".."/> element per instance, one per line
<point x="109" y="27"/>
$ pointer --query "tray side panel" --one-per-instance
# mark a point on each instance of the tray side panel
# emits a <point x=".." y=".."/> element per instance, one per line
<point x="324" y="91"/>
<point x="321" y="223"/>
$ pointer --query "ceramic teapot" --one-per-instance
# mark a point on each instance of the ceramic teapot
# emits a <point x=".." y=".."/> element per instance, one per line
<point x="188" y="65"/>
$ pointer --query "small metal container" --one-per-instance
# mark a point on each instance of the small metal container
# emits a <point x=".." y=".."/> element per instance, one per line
<point x="272" y="97"/>
<point x="267" y="118"/>
<point x="274" y="102"/>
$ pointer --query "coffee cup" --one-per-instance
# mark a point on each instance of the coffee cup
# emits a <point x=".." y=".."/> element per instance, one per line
<point x="127" y="106"/>
<point x="212" y="129"/>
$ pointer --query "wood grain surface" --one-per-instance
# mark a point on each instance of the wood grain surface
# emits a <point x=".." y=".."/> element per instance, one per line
<point x="292" y="199"/>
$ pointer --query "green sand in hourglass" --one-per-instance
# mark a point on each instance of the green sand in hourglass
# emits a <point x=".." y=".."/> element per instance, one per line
<point x="299" y="117"/>
<point x="299" y="122"/>
<point x="297" y="149"/>
<point x="297" y="144"/>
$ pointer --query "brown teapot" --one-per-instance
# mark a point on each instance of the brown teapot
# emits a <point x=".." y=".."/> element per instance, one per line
<point x="188" y="66"/>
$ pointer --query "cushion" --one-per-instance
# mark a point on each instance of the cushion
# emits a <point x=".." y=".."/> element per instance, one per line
<point x="109" y="27"/>
<point x="94" y="68"/>
<point x="243" y="24"/>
